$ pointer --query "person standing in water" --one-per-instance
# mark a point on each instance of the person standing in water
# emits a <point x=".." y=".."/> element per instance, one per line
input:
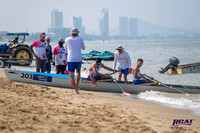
<point x="124" y="60"/>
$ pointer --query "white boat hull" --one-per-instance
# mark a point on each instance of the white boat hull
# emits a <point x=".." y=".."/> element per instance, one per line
<point x="58" y="80"/>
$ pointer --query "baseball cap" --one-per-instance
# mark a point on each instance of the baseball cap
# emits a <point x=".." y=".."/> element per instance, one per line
<point x="61" y="40"/>
<point x="42" y="34"/>
<point x="47" y="38"/>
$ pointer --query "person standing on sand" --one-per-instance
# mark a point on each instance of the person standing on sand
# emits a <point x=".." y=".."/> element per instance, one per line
<point x="124" y="60"/>
<point x="41" y="47"/>
<point x="73" y="45"/>
<point x="60" y="57"/>
<point x="48" y="55"/>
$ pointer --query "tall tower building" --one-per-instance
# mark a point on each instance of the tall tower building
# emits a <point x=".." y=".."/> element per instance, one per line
<point x="56" y="19"/>
<point x="100" y="31"/>
<point x="77" y="23"/>
<point x="123" y="26"/>
<point x="133" y="27"/>
<point x="104" y="24"/>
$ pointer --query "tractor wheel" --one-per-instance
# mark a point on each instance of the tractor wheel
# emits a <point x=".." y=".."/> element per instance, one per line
<point x="2" y="64"/>
<point x="23" y="52"/>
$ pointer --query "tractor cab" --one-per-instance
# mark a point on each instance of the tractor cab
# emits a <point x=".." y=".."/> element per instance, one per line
<point x="17" y="38"/>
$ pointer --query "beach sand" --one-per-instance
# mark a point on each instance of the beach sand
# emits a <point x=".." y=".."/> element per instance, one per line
<point x="42" y="109"/>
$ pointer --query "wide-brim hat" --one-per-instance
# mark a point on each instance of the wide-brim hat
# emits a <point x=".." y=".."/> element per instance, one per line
<point x="74" y="31"/>
<point x="119" y="47"/>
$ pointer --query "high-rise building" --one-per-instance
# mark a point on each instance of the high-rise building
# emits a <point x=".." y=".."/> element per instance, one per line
<point x="133" y="27"/>
<point x="100" y="31"/>
<point x="123" y="26"/>
<point x="77" y="23"/>
<point x="56" y="19"/>
<point x="104" y="24"/>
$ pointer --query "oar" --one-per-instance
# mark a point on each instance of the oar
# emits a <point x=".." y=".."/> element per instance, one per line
<point x="159" y="83"/>
<point x="123" y="92"/>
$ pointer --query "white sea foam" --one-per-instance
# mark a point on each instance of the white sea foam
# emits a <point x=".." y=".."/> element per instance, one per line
<point x="177" y="102"/>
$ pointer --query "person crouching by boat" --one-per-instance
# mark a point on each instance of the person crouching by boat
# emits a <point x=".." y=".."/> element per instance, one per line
<point x="124" y="60"/>
<point x="41" y="48"/>
<point x="60" y="57"/>
<point x="48" y="55"/>
<point x="94" y="74"/>
<point x="138" y="78"/>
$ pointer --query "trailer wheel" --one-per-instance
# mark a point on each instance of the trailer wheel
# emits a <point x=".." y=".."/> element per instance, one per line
<point x="2" y="64"/>
<point x="23" y="52"/>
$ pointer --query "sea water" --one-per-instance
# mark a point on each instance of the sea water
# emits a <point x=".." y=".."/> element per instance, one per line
<point x="156" y="54"/>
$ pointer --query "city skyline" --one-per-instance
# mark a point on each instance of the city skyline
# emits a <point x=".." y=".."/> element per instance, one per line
<point x="169" y="13"/>
<point x="123" y="26"/>
<point x="77" y="23"/>
<point x="104" y="23"/>
<point x="56" y="19"/>
<point x="128" y="27"/>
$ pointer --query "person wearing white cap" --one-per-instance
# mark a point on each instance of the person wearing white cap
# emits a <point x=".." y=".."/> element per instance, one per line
<point x="60" y="57"/>
<point x="73" y="45"/>
<point x="48" y="55"/>
<point x="123" y="58"/>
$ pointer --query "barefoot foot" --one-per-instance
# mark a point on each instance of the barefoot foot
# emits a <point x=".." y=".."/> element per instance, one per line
<point x="76" y="92"/>
<point x="95" y="86"/>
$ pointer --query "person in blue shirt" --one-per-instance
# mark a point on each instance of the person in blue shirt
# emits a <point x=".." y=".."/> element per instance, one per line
<point x="48" y="55"/>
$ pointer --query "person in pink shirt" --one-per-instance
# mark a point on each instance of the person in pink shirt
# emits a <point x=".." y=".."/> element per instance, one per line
<point x="60" y="57"/>
<point x="39" y="53"/>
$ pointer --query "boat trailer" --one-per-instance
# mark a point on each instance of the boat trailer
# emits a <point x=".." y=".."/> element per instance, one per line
<point x="7" y="62"/>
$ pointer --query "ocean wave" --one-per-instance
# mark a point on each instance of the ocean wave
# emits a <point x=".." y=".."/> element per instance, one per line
<point x="178" y="102"/>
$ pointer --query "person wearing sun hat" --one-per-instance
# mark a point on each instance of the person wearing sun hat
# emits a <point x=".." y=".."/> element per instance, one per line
<point x="123" y="58"/>
<point x="60" y="57"/>
<point x="73" y="45"/>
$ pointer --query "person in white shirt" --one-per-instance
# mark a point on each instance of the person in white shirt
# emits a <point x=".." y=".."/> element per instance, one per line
<point x="123" y="58"/>
<point x="73" y="45"/>
<point x="60" y="57"/>
<point x="41" y="47"/>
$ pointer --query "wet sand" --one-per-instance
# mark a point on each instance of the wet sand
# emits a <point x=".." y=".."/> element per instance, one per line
<point x="42" y="109"/>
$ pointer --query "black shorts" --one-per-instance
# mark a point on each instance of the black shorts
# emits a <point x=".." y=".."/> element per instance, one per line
<point x="60" y="68"/>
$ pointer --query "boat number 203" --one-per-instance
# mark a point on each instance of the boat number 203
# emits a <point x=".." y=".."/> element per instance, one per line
<point x="26" y="76"/>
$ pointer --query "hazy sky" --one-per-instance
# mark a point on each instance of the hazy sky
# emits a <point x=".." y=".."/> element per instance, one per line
<point x="16" y="15"/>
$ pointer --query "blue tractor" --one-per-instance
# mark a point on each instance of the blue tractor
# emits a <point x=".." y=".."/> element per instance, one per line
<point x="15" y="51"/>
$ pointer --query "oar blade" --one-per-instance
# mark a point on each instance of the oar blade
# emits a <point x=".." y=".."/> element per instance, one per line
<point x="126" y="93"/>
<point x="187" y="94"/>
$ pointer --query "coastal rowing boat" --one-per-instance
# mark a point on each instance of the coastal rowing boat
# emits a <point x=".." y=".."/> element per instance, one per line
<point x="58" y="80"/>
